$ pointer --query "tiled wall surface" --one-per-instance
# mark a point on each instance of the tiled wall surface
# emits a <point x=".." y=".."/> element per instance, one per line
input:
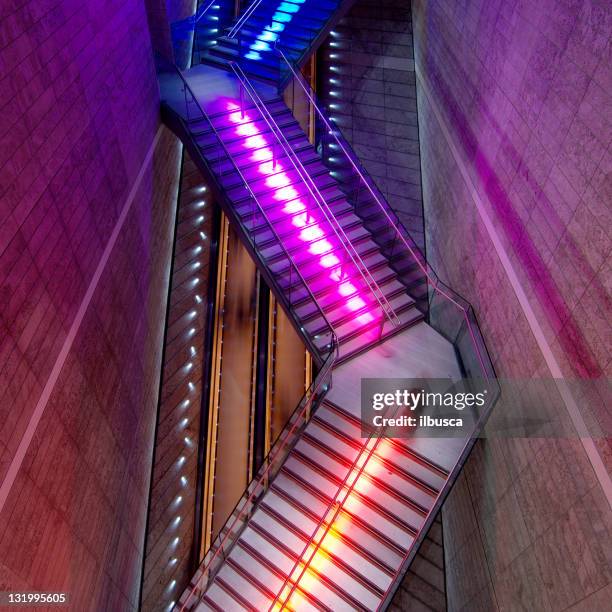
<point x="79" y="113"/>
<point x="372" y="94"/>
<point x="523" y="90"/>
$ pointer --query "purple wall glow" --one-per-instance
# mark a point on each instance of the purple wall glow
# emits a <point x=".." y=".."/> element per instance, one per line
<point x="514" y="121"/>
<point x="79" y="114"/>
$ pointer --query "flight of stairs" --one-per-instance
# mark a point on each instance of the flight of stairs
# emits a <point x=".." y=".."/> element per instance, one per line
<point x="299" y="24"/>
<point x="240" y="147"/>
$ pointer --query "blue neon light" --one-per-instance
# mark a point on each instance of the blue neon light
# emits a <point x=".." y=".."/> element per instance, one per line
<point x="282" y="16"/>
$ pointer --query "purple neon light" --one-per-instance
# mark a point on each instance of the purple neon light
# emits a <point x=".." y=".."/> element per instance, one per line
<point x="312" y="234"/>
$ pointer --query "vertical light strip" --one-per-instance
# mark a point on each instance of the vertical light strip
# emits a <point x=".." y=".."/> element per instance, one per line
<point x="254" y="364"/>
<point x="270" y="374"/>
<point x="216" y="357"/>
<point x="599" y="468"/>
<point x="28" y="434"/>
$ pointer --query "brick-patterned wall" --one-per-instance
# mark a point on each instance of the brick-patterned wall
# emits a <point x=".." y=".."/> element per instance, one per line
<point x="522" y="90"/>
<point x="372" y="93"/>
<point x="79" y="114"/>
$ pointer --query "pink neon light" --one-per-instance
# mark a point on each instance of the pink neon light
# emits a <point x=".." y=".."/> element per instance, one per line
<point x="346" y="288"/>
<point x="319" y="247"/>
<point x="276" y="180"/>
<point x="329" y="261"/>
<point x="312" y="233"/>
<point x="295" y="206"/>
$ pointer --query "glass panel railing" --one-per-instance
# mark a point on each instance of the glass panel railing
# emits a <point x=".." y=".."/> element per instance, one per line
<point x="210" y="27"/>
<point x="192" y="35"/>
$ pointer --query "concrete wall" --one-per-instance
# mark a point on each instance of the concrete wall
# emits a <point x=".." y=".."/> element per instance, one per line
<point x="373" y="98"/>
<point x="86" y="198"/>
<point x="514" y="120"/>
<point x="168" y="562"/>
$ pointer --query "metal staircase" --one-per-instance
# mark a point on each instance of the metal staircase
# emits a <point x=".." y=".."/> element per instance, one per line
<point x="332" y="520"/>
<point x="324" y="264"/>
<point x="301" y="24"/>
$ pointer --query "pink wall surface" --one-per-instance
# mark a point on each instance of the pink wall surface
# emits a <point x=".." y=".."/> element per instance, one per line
<point x="78" y="120"/>
<point x="514" y="117"/>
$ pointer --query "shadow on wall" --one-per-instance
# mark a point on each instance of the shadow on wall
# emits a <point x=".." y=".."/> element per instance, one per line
<point x="549" y="297"/>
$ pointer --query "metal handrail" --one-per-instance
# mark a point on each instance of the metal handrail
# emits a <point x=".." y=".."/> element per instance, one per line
<point x="430" y="274"/>
<point x="285" y="439"/>
<point x="386" y="308"/>
<point x="238" y="25"/>
<point x="254" y="197"/>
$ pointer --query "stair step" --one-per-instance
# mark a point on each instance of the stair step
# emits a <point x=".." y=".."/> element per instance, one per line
<point x="373" y="259"/>
<point x="354" y="341"/>
<point x="223" y="600"/>
<point x="344" y="215"/>
<point x="401" y="455"/>
<point x="318" y="476"/>
<point x="305" y="23"/>
<point x="276" y="107"/>
<point x="242" y="557"/>
<point x="282" y="175"/>
<point x="331" y="194"/>
<point x="268" y="186"/>
<point x="341" y="550"/>
<point x="332" y="302"/>
<point x="228" y="132"/>
<point x="290" y="42"/>
<point x="309" y="263"/>
<point x="257" y="597"/>
<point x="347" y="325"/>
<point x="321" y="231"/>
<point x="295" y="533"/>
<point x="381" y="467"/>
<point x="328" y="591"/>
<point x="378" y="546"/>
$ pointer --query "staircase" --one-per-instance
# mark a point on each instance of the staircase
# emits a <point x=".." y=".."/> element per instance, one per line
<point x="333" y="519"/>
<point x="378" y="523"/>
<point x="301" y="24"/>
<point x="327" y="267"/>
